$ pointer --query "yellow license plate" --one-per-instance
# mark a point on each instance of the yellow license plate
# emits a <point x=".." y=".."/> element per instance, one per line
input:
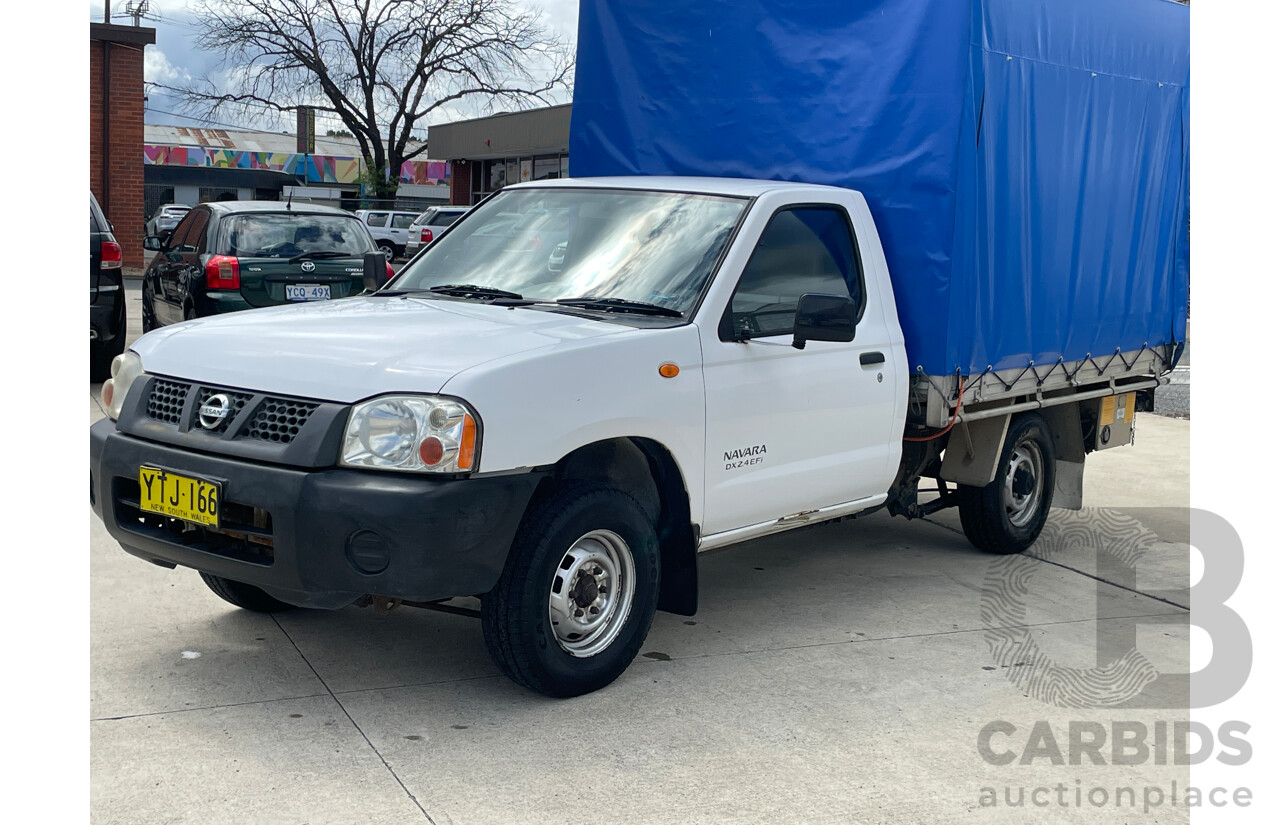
<point x="170" y="494"/>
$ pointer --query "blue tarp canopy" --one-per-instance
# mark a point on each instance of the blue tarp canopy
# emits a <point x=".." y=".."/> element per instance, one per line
<point x="1026" y="161"/>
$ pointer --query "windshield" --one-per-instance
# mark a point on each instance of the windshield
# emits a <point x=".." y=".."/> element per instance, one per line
<point x="549" y="244"/>
<point x="284" y="235"/>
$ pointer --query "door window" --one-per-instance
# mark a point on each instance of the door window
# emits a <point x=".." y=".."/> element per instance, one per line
<point x="402" y="220"/>
<point x="179" y="237"/>
<point x="376" y="218"/>
<point x="807" y="249"/>
<point x="192" y="240"/>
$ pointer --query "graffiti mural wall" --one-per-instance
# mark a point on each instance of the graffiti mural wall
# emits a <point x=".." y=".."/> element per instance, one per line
<point x="426" y="172"/>
<point x="319" y="168"/>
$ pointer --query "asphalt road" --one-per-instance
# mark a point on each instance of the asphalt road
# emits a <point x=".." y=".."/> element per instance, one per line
<point x="838" y="673"/>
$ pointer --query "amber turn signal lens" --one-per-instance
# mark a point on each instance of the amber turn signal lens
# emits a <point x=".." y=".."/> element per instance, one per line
<point x="668" y="370"/>
<point x="467" y="448"/>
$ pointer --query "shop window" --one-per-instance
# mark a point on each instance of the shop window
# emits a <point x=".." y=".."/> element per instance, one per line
<point x="546" y="168"/>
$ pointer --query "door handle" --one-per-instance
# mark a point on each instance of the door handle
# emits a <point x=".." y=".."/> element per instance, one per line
<point x="871" y="359"/>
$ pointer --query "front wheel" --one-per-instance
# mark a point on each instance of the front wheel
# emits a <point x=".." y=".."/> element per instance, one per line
<point x="578" y="593"/>
<point x="1007" y="515"/>
<point x="244" y="595"/>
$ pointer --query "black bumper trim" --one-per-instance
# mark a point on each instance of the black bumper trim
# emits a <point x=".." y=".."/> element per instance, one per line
<point x="442" y="537"/>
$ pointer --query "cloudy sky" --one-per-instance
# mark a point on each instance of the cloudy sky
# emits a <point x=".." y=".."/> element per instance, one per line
<point x="174" y="60"/>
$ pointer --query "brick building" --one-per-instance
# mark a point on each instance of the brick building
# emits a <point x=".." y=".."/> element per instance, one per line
<point x="115" y="129"/>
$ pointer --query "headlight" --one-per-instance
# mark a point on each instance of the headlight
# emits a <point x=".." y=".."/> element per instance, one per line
<point x="125" y="369"/>
<point x="418" y="433"/>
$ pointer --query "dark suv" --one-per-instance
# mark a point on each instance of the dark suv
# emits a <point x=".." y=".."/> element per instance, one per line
<point x="238" y="255"/>
<point x="106" y="295"/>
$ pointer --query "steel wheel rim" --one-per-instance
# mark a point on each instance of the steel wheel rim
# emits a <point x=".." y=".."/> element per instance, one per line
<point x="1021" y="509"/>
<point x="591" y="593"/>
<point x="388" y="253"/>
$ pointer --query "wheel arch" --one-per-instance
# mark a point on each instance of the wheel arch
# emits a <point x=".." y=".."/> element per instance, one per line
<point x="646" y="470"/>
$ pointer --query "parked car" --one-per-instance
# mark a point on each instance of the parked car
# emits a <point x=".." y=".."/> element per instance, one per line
<point x="429" y="224"/>
<point x="237" y="255"/>
<point x="106" y="294"/>
<point x="389" y="228"/>
<point x="166" y="218"/>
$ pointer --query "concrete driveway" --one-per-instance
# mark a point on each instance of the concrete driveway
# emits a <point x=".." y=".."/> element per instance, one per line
<point x="840" y="673"/>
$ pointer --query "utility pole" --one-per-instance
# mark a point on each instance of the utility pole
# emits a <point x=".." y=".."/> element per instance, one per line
<point x="137" y="8"/>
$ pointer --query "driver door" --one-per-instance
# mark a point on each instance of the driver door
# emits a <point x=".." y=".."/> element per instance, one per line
<point x="790" y="430"/>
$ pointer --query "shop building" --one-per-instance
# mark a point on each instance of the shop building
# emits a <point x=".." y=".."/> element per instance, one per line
<point x="485" y="154"/>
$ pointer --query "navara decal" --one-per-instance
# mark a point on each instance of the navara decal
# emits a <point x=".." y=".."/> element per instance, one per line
<point x="744" y="457"/>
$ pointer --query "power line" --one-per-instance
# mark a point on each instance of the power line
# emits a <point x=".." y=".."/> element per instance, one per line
<point x="333" y="117"/>
<point x="213" y="122"/>
<point x="168" y="21"/>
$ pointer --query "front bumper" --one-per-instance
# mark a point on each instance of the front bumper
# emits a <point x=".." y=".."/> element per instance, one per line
<point x="334" y="535"/>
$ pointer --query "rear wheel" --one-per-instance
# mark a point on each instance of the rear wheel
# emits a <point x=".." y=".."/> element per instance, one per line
<point x="578" y="594"/>
<point x="1007" y="515"/>
<point x="388" y="250"/>
<point x="244" y="595"/>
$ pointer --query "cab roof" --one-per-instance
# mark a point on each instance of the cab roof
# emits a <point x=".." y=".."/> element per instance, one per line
<point x="732" y="187"/>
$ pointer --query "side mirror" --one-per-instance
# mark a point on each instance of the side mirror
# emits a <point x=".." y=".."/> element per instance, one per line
<point x="375" y="271"/>
<point x="824" y="318"/>
<point x="153" y="243"/>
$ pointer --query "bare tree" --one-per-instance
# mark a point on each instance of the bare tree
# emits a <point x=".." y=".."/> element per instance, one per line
<point x="381" y="66"/>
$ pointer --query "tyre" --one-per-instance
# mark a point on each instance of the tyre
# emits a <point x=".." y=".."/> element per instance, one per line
<point x="388" y="250"/>
<point x="1007" y="515"/>
<point x="578" y="593"/>
<point x="148" y="311"/>
<point x="244" y="595"/>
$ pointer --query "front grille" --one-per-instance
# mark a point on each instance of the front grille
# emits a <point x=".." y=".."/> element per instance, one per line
<point x="279" y="420"/>
<point x="238" y="400"/>
<point x="258" y="426"/>
<point x="165" y="401"/>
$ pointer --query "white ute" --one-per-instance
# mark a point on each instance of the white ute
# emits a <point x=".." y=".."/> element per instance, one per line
<point x="704" y="362"/>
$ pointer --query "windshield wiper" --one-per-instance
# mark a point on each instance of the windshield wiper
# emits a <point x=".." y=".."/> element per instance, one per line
<point x="621" y="305"/>
<point x="473" y="291"/>
<point x="320" y="253"/>
<point x="392" y="293"/>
